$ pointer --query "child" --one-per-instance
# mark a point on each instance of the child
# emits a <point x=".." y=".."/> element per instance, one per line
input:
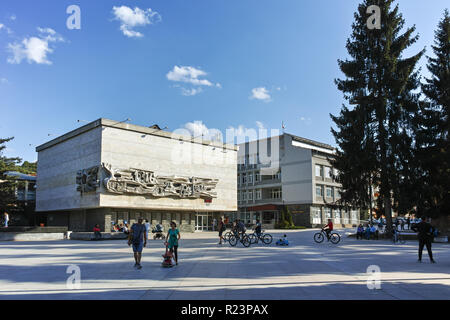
<point x="168" y="259"/>
<point x="283" y="241"/>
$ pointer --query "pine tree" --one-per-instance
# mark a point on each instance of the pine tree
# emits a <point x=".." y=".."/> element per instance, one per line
<point x="380" y="83"/>
<point x="7" y="184"/>
<point x="432" y="128"/>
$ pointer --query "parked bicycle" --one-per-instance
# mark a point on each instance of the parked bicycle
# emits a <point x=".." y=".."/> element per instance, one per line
<point x="263" y="237"/>
<point x="334" y="237"/>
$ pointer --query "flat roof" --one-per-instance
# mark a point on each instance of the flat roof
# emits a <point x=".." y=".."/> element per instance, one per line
<point x="102" y="122"/>
<point x="296" y="138"/>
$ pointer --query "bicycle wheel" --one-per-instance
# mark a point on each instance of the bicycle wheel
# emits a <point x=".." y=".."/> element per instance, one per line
<point x="226" y="237"/>
<point x="253" y="239"/>
<point x="319" y="237"/>
<point x="267" y="238"/>
<point x="246" y="241"/>
<point x="335" y="238"/>
<point x="233" y="240"/>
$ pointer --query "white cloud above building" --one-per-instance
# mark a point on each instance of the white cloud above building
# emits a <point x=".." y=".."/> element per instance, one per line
<point x="191" y="76"/>
<point x="261" y="94"/>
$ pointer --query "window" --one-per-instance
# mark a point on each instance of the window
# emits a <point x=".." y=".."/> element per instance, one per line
<point x="316" y="215"/>
<point x="244" y="178"/>
<point x="250" y="178"/>
<point x="337" y="216"/>
<point x="346" y="217"/>
<point x="250" y="195"/>
<point x="258" y="194"/>
<point x="257" y="177"/>
<point x="338" y="193"/>
<point x="328" y="172"/>
<point x="239" y="179"/>
<point x="276" y="193"/>
<point x="318" y="170"/>
<point x="319" y="192"/>
<point x="329" y="192"/>
<point x="328" y="213"/>
<point x="336" y="172"/>
<point x="244" y="195"/>
<point x="354" y="216"/>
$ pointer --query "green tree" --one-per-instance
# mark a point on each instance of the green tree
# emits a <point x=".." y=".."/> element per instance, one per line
<point x="380" y="84"/>
<point x="7" y="184"/>
<point x="432" y="150"/>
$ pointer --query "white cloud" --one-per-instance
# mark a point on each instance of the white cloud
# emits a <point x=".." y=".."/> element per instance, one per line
<point x="4" y="27"/>
<point x="34" y="49"/>
<point x="260" y="93"/>
<point x="131" y="18"/>
<point x="190" y="92"/>
<point x="190" y="75"/>
<point x="198" y="129"/>
<point x="13" y="17"/>
<point x="4" y="81"/>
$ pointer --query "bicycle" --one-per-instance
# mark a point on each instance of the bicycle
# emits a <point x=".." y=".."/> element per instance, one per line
<point x="334" y="237"/>
<point x="264" y="237"/>
<point x="235" y="237"/>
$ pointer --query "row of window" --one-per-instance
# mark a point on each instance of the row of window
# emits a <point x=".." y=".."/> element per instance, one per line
<point x="339" y="216"/>
<point x="330" y="192"/>
<point x="325" y="172"/>
<point x="257" y="194"/>
<point x="248" y="178"/>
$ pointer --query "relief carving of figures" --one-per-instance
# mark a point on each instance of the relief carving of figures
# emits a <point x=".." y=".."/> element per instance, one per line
<point x="88" y="180"/>
<point x="143" y="182"/>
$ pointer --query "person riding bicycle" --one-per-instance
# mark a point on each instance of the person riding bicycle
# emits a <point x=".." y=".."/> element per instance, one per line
<point x="241" y="227"/>
<point x="328" y="228"/>
<point x="258" y="228"/>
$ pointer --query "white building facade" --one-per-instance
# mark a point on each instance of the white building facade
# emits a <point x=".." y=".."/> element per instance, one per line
<point x="109" y="172"/>
<point x="292" y="172"/>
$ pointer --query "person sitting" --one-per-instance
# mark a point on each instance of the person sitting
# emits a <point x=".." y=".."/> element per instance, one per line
<point x="367" y="232"/>
<point x="282" y="241"/>
<point x="125" y="229"/>
<point x="359" y="232"/>
<point x="97" y="232"/>
<point x="374" y="232"/>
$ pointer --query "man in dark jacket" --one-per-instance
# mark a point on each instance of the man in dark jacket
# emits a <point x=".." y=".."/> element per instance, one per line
<point x="425" y="234"/>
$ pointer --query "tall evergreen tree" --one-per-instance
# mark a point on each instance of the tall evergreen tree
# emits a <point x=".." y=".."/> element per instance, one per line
<point x="7" y="184"/>
<point x="380" y="83"/>
<point x="432" y="128"/>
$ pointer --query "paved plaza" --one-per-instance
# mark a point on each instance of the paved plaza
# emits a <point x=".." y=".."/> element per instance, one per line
<point x="304" y="270"/>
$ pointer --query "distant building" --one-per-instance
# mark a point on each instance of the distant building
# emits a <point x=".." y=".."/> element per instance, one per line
<point x="289" y="171"/>
<point x="26" y="188"/>
<point x="109" y="172"/>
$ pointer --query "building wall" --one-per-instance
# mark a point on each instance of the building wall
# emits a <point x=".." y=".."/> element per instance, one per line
<point x="57" y="170"/>
<point x="169" y="157"/>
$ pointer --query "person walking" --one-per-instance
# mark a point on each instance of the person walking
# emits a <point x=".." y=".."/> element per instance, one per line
<point x="221" y="228"/>
<point x="425" y="235"/>
<point x="6" y="219"/>
<point x="147" y="228"/>
<point x="137" y="238"/>
<point x="173" y="235"/>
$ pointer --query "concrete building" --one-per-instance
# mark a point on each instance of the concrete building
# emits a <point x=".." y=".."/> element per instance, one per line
<point x="110" y="172"/>
<point x="289" y="171"/>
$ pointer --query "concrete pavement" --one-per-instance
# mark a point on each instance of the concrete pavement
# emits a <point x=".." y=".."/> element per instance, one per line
<point x="304" y="270"/>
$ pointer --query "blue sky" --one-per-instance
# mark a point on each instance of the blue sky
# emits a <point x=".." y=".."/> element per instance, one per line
<point x="226" y="63"/>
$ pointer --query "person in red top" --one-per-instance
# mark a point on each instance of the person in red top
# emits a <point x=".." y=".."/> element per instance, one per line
<point x="97" y="232"/>
<point x="328" y="228"/>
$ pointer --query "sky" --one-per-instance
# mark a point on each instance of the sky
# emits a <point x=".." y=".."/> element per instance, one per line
<point x="202" y="65"/>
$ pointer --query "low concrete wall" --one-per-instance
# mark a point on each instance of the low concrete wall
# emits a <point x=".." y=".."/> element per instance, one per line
<point x="35" y="229"/>
<point x="87" y="236"/>
<point x="32" y="236"/>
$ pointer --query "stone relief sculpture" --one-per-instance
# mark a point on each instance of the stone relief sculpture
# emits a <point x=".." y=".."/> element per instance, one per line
<point x="143" y="182"/>
<point x="88" y="180"/>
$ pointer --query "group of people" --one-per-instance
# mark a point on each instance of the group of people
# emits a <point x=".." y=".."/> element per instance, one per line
<point x="368" y="232"/>
<point x="139" y="233"/>
<point x="121" y="228"/>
